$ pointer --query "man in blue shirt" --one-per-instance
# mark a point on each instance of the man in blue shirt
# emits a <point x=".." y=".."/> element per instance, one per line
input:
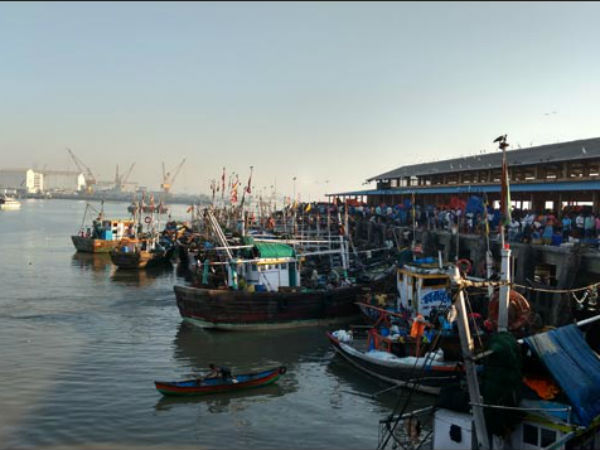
<point x="566" y="226"/>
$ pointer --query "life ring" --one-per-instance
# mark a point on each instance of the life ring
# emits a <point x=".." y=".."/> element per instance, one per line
<point x="464" y="265"/>
<point x="282" y="370"/>
<point x="147" y="219"/>
<point x="519" y="311"/>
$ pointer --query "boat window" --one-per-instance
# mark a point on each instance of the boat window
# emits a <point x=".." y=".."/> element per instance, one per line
<point x="548" y="437"/>
<point x="254" y="268"/>
<point x="428" y="282"/>
<point x="530" y="434"/>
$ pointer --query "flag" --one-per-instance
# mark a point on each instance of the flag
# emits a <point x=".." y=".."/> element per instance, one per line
<point x="308" y="208"/>
<point x="151" y="205"/>
<point x="234" y="188"/>
<point x="248" y="187"/>
<point x="223" y="184"/>
<point x="505" y="205"/>
<point x="485" y="216"/>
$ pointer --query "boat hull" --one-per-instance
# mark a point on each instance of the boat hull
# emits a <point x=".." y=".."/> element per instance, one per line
<point x="218" y="386"/>
<point x="10" y="206"/>
<point x="240" y="310"/>
<point x="140" y="259"/>
<point x="428" y="380"/>
<point x="91" y="245"/>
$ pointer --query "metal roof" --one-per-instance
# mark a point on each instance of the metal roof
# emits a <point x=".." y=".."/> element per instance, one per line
<point x="562" y="186"/>
<point x="564" y="151"/>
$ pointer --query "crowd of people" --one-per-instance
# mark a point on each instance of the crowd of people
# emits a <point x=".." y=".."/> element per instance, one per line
<point x="572" y="224"/>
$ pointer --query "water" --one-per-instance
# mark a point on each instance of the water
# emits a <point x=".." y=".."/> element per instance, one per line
<point x="82" y="343"/>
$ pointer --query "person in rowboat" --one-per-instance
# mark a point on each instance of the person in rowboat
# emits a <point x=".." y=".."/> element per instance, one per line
<point x="216" y="372"/>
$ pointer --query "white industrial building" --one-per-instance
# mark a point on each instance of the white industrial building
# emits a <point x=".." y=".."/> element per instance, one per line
<point x="63" y="181"/>
<point x="22" y="180"/>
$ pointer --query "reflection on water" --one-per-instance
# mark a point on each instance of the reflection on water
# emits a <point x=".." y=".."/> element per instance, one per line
<point x="353" y="381"/>
<point x="92" y="261"/>
<point x="140" y="278"/>
<point x="227" y="401"/>
<point x="249" y="350"/>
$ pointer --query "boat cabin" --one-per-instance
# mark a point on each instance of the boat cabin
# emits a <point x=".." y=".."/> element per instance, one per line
<point x="423" y="287"/>
<point x="111" y="229"/>
<point x="270" y="265"/>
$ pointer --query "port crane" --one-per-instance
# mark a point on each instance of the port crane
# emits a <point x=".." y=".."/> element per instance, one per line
<point x="90" y="178"/>
<point x="169" y="179"/>
<point x="121" y="179"/>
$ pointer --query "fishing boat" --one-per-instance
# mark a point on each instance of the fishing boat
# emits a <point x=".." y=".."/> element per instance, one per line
<point x="149" y="247"/>
<point x="261" y="288"/>
<point x="139" y="253"/>
<point x="220" y="385"/>
<point x="104" y="234"/>
<point x="9" y="203"/>
<point x="242" y="310"/>
<point x="392" y="358"/>
<point x="422" y="288"/>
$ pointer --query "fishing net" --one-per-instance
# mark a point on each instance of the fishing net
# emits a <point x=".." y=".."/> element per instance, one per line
<point x="501" y="383"/>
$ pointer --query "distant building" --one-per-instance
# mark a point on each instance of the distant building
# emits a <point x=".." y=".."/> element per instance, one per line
<point x="21" y="180"/>
<point x="63" y="181"/>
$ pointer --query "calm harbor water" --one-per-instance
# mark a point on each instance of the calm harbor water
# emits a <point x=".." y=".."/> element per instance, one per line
<point x="82" y="343"/>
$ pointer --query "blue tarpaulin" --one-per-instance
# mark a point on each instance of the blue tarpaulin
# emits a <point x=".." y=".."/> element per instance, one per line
<point x="574" y="366"/>
<point x="475" y="205"/>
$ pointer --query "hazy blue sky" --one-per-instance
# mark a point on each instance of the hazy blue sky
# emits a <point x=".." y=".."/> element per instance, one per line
<point x="322" y="91"/>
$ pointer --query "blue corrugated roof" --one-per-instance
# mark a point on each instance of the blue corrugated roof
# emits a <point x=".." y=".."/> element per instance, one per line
<point x="593" y="185"/>
<point x="574" y="366"/>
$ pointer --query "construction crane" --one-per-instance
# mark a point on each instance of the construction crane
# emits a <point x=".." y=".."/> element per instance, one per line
<point x="169" y="179"/>
<point x="90" y="179"/>
<point x="120" y="180"/>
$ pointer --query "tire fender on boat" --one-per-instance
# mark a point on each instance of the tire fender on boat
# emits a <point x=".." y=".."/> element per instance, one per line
<point x="147" y="219"/>
<point x="464" y="265"/>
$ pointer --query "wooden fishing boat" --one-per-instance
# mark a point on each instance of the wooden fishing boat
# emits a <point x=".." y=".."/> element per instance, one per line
<point x="220" y="385"/>
<point x="139" y="254"/>
<point x="242" y="310"/>
<point x="257" y="285"/>
<point x="103" y="235"/>
<point x="88" y="244"/>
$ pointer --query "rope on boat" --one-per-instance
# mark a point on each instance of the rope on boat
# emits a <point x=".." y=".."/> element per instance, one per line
<point x="558" y="291"/>
<point x="482" y="284"/>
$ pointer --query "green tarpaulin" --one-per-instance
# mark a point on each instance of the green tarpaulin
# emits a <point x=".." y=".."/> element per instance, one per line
<point x="274" y="250"/>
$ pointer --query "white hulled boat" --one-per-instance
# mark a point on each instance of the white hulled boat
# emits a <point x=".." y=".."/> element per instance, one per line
<point x="9" y="203"/>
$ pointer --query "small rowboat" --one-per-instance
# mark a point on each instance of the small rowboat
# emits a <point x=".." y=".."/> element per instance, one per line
<point x="218" y="385"/>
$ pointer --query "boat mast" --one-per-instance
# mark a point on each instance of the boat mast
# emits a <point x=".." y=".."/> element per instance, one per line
<point x="504" y="293"/>
<point x="467" y="346"/>
<point x="87" y="205"/>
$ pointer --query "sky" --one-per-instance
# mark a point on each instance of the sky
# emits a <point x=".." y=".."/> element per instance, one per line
<point x="330" y="93"/>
